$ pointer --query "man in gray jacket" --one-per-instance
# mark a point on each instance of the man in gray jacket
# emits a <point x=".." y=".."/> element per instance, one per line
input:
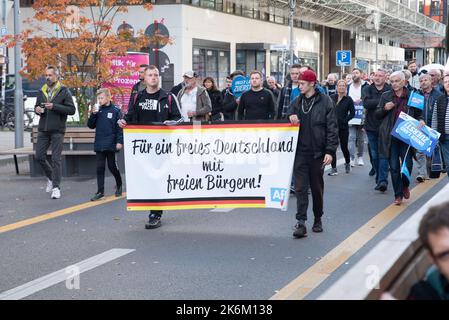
<point x="53" y="104"/>
<point x="194" y="100"/>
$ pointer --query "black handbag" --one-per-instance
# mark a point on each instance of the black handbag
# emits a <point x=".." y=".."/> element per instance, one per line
<point x="436" y="163"/>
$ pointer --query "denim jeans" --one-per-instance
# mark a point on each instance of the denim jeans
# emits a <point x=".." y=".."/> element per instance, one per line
<point x="380" y="165"/>
<point x="445" y="151"/>
<point x="356" y="139"/>
<point x="398" y="150"/>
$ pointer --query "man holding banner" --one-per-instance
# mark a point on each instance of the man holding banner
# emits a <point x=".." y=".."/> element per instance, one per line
<point x="152" y="105"/>
<point x="316" y="145"/>
<point x="395" y="151"/>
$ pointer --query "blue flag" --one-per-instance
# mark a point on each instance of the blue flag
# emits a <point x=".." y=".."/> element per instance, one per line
<point x="416" y="100"/>
<point x="405" y="172"/>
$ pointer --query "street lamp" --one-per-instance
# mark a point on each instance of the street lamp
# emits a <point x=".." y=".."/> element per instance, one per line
<point x="18" y="93"/>
<point x="292" y="5"/>
<point x="376" y="22"/>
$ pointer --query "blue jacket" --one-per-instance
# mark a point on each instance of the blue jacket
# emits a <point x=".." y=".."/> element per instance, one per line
<point x="107" y="133"/>
<point x="429" y="104"/>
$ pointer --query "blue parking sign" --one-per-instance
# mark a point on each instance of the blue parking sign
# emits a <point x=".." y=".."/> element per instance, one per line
<point x="343" y="58"/>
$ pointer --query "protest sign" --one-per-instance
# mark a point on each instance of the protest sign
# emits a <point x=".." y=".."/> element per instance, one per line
<point x="358" y="116"/>
<point x="240" y="165"/>
<point x="240" y="84"/>
<point x="424" y="139"/>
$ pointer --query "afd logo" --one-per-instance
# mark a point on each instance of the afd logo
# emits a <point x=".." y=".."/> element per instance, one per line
<point x="278" y="195"/>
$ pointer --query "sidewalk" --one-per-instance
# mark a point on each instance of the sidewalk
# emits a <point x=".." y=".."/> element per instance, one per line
<point x="7" y="142"/>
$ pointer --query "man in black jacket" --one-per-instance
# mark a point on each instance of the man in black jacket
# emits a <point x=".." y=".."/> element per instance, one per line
<point x="317" y="142"/>
<point x="139" y="86"/>
<point x="371" y="96"/>
<point x="229" y="101"/>
<point x="391" y="104"/>
<point x="153" y="104"/>
<point x="53" y="104"/>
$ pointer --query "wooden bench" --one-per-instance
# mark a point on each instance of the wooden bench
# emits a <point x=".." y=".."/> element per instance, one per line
<point x="397" y="262"/>
<point x="78" y="155"/>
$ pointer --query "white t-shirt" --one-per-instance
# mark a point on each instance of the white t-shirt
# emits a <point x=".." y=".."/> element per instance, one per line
<point x="355" y="92"/>
<point x="188" y="103"/>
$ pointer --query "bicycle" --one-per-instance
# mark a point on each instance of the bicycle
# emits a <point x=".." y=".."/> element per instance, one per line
<point x="8" y="118"/>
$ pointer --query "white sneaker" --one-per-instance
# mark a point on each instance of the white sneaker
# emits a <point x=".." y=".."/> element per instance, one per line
<point x="360" y="162"/>
<point x="56" y="193"/>
<point x="352" y="163"/>
<point x="49" y="187"/>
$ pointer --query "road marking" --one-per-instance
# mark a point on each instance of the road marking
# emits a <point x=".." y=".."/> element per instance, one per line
<point x="59" y="213"/>
<point x="310" y="279"/>
<point x="222" y="210"/>
<point x="59" y="276"/>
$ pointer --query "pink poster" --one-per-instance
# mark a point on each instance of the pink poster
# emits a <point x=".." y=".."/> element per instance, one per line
<point x="121" y="86"/>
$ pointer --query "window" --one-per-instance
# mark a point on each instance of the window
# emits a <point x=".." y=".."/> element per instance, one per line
<point x="249" y="60"/>
<point x="241" y="60"/>
<point x="213" y="63"/>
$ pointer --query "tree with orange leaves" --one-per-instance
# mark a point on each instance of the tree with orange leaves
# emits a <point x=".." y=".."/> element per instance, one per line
<point x="85" y="42"/>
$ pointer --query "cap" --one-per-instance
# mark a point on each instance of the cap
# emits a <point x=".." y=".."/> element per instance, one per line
<point x="190" y="74"/>
<point x="308" y="75"/>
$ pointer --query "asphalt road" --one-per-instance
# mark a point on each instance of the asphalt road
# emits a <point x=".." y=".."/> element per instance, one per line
<point x="202" y="254"/>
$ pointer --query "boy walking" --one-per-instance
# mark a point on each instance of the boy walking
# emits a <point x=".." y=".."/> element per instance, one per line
<point x="108" y="140"/>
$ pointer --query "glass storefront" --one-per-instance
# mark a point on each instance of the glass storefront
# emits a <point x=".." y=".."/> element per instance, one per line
<point x="213" y="63"/>
<point x="248" y="60"/>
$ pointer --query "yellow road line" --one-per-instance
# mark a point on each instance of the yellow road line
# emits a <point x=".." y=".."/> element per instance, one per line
<point x="306" y="282"/>
<point x="59" y="213"/>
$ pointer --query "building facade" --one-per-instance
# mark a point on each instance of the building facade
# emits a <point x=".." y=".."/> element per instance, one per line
<point x="216" y="37"/>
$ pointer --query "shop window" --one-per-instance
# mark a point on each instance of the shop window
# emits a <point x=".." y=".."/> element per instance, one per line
<point x="211" y="63"/>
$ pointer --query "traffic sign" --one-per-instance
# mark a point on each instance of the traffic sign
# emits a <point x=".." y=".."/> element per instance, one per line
<point x="343" y="58"/>
<point x="279" y="47"/>
<point x="3" y="31"/>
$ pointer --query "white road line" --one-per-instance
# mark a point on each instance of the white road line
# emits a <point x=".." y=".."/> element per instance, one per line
<point x="62" y="275"/>
<point x="222" y="210"/>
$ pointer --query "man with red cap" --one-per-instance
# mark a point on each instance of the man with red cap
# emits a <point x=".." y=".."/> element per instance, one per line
<point x="317" y="141"/>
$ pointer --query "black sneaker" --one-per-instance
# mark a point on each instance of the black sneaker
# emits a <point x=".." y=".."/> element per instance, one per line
<point x="292" y="190"/>
<point x="347" y="167"/>
<point x="300" y="231"/>
<point x="154" y="221"/>
<point x="420" y="179"/>
<point x="118" y="191"/>
<point x="317" y="226"/>
<point x="377" y="188"/>
<point x="382" y="187"/>
<point x="372" y="172"/>
<point x="97" y="196"/>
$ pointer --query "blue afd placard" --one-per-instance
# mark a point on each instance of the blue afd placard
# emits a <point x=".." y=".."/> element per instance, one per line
<point x="424" y="139"/>
<point x="240" y="84"/>
<point x="416" y="100"/>
<point x="343" y="58"/>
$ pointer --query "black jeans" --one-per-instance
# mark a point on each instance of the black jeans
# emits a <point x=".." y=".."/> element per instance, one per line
<point x="112" y="165"/>
<point x="343" y="136"/>
<point x="309" y="173"/>
<point x="56" y="140"/>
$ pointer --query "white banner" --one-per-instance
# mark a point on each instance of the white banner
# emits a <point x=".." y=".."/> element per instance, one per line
<point x="209" y="166"/>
